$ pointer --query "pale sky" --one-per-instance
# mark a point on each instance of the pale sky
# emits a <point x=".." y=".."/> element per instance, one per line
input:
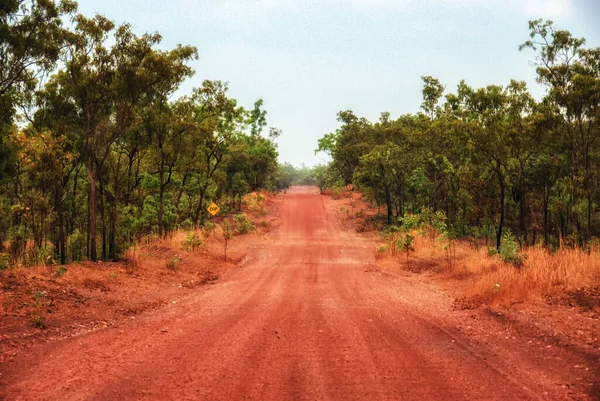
<point x="309" y="59"/>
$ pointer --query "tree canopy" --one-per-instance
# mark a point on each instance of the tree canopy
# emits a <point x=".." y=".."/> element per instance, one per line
<point x="493" y="158"/>
<point x="105" y="152"/>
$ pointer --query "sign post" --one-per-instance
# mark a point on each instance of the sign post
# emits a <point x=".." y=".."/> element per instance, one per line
<point x="213" y="209"/>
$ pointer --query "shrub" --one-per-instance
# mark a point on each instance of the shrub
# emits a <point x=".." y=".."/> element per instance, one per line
<point x="17" y="235"/>
<point x="187" y="224"/>
<point x="43" y="255"/>
<point x="208" y="229"/>
<point x="38" y="315"/>
<point x="404" y="242"/>
<point x="410" y="221"/>
<point x="4" y="261"/>
<point x="76" y="246"/>
<point x="242" y="225"/>
<point x="192" y="242"/>
<point x="60" y="271"/>
<point x="509" y="250"/>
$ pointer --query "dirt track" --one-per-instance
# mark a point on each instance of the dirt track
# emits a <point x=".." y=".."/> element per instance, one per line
<point x="306" y="318"/>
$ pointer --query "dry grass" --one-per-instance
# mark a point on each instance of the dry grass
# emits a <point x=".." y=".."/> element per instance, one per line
<point x="488" y="279"/>
<point x="542" y="273"/>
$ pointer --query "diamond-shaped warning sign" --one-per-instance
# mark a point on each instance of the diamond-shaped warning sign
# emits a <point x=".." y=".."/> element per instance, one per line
<point x="213" y="208"/>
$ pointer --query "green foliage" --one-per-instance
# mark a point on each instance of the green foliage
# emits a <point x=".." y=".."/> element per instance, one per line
<point x="208" y="229"/>
<point x="38" y="315"/>
<point x="60" y="271"/>
<point x="492" y="158"/>
<point x="192" y="242"/>
<point x="42" y="255"/>
<point x="228" y="231"/>
<point x="411" y="221"/>
<point x="187" y="224"/>
<point x="404" y="242"/>
<point x="242" y="225"/>
<point x="76" y="246"/>
<point x="509" y="251"/>
<point x="4" y="261"/>
<point x="147" y="222"/>
<point x="111" y="155"/>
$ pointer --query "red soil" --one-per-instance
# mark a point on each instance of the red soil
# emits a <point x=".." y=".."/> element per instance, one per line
<point x="307" y="317"/>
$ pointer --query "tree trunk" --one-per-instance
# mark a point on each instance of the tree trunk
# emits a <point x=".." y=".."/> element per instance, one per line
<point x="199" y="208"/>
<point x="546" y="201"/>
<point x="112" y="242"/>
<point x="523" y="208"/>
<point x="92" y="215"/>
<point x="74" y="210"/>
<point x="161" y="210"/>
<point x="390" y="206"/>
<point x="61" y="228"/>
<point x="161" y="196"/>
<point x="501" y="221"/>
<point x="180" y="194"/>
<point x="103" y="219"/>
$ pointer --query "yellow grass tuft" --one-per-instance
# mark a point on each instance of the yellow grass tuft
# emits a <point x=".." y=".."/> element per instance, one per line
<point x="490" y="280"/>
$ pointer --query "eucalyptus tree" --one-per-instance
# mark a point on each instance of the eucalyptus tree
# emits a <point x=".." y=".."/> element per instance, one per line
<point x="31" y="37"/>
<point x="132" y="56"/>
<point x="571" y="74"/>
<point x="164" y="127"/>
<point x="86" y="80"/>
<point x="524" y="144"/>
<point x="381" y="171"/>
<point x="488" y="138"/>
<point x="218" y="119"/>
<point x="347" y="144"/>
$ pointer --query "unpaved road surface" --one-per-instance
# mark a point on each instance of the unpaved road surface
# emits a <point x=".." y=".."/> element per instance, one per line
<point x="306" y="318"/>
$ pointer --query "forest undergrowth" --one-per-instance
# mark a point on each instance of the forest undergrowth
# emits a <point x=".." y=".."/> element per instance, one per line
<point x="474" y="270"/>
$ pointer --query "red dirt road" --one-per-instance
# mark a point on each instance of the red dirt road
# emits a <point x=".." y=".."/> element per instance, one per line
<point x="306" y="318"/>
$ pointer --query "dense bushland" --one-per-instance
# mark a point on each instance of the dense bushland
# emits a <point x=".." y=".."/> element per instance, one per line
<point x="494" y="161"/>
<point x="96" y="150"/>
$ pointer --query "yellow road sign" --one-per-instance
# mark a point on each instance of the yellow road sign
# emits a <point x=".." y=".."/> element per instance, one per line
<point x="213" y="208"/>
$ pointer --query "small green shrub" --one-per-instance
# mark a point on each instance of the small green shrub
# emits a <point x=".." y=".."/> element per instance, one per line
<point x="76" y="246"/>
<point x="410" y="221"/>
<point x="208" y="229"/>
<point x="38" y="321"/>
<point x="43" y="255"/>
<point x="192" y="242"/>
<point x="509" y="250"/>
<point x="242" y="225"/>
<point x="38" y="315"/>
<point x="187" y="224"/>
<point x="4" y="261"/>
<point x="60" y="271"/>
<point x="404" y="242"/>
